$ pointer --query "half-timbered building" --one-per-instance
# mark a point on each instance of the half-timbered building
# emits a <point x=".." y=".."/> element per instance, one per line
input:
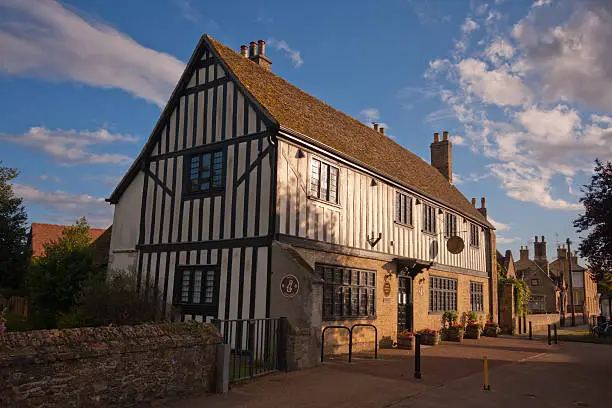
<point x="254" y="199"/>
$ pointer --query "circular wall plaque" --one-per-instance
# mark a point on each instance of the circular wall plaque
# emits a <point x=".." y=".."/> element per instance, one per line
<point x="455" y="245"/>
<point x="290" y="285"/>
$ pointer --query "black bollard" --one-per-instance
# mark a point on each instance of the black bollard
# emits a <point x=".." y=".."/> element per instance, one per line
<point x="417" y="356"/>
<point x="556" y="337"/>
<point x="530" y="331"/>
<point x="549" y="342"/>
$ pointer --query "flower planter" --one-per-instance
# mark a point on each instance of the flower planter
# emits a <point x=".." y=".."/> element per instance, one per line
<point x="386" y="342"/>
<point x="430" y="339"/>
<point x="472" y="332"/>
<point x="454" y="334"/>
<point x="490" y="330"/>
<point x="405" y="342"/>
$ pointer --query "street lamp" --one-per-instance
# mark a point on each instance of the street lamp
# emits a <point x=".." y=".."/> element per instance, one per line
<point x="571" y="279"/>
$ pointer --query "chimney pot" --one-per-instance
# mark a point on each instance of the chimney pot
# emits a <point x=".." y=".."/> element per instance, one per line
<point x="536" y="238"/>
<point x="252" y="46"/>
<point x="473" y="201"/>
<point x="483" y="202"/>
<point x="261" y="47"/>
<point x="445" y="135"/>
<point x="244" y="51"/>
<point x="375" y="126"/>
<point x="542" y="238"/>
<point x="382" y="130"/>
<point x="436" y="137"/>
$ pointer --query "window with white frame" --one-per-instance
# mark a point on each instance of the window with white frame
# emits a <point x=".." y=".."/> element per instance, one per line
<point x="197" y="289"/>
<point x="450" y="225"/>
<point x="476" y="297"/>
<point x="442" y="294"/>
<point x="324" y="181"/>
<point x="429" y="219"/>
<point x="474" y="235"/>
<point x="403" y="209"/>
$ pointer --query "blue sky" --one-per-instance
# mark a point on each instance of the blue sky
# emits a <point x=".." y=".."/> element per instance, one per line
<point x="524" y="87"/>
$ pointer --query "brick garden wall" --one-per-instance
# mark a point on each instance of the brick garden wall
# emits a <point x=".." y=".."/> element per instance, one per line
<point x="106" y="366"/>
<point x="540" y="322"/>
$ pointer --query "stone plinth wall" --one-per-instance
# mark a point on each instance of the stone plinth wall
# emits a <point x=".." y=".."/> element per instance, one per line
<point x="106" y="366"/>
<point x="540" y="322"/>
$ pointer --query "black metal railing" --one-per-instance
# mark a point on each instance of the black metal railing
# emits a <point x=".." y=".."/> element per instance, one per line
<point x="257" y="346"/>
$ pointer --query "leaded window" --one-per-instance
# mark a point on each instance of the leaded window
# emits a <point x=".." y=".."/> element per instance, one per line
<point x="450" y="225"/>
<point x="403" y="209"/>
<point x="324" y="181"/>
<point x="198" y="286"/>
<point x="429" y="219"/>
<point x="442" y="294"/>
<point x="205" y="172"/>
<point x="347" y="292"/>
<point x="476" y="297"/>
<point x="474" y="235"/>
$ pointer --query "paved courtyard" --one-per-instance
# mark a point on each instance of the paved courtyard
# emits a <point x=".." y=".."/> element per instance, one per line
<point x="523" y="374"/>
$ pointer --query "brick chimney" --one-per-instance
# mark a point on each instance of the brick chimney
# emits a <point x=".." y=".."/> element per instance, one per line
<point x="539" y="254"/>
<point x="441" y="155"/>
<point x="483" y="206"/>
<point x="257" y="54"/>
<point x="524" y="254"/>
<point x="562" y="252"/>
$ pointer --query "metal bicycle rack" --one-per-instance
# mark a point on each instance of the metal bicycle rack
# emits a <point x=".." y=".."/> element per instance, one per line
<point x="350" y="331"/>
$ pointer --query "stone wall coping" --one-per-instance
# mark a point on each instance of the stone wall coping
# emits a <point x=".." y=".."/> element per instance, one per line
<point x="42" y="346"/>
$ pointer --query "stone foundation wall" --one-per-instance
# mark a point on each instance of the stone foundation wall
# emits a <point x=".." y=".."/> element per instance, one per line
<point x="540" y="322"/>
<point x="106" y="366"/>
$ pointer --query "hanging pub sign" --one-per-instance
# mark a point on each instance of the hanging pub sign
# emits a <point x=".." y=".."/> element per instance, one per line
<point x="387" y="288"/>
<point x="290" y="285"/>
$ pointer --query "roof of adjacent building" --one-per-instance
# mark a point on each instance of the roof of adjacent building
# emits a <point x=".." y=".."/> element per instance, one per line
<point x="295" y="111"/>
<point x="42" y="234"/>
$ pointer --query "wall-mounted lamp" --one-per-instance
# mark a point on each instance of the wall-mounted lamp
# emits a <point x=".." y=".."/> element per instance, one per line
<point x="299" y="154"/>
<point x="464" y="220"/>
<point x="440" y="211"/>
<point x="373" y="183"/>
<point x="418" y="202"/>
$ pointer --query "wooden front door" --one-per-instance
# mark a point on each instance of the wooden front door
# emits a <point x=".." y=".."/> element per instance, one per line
<point x="404" y="311"/>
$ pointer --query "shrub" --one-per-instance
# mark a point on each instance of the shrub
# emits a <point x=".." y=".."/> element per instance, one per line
<point x="115" y="300"/>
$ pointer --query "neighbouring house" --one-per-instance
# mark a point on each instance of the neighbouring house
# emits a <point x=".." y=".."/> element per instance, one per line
<point x="42" y="234"/>
<point x="545" y="288"/>
<point x="253" y="199"/>
<point x="586" y="298"/>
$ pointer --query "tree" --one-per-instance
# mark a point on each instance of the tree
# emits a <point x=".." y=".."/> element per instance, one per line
<point x="55" y="280"/>
<point x="596" y="247"/>
<point x="14" y="251"/>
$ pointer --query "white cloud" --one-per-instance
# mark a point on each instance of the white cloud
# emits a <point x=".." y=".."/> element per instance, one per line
<point x="40" y="38"/>
<point x="541" y="3"/>
<point x="47" y="177"/>
<point x="469" y="25"/>
<point x="458" y="140"/>
<point x="370" y="114"/>
<point x="495" y="86"/>
<point x="503" y="240"/>
<point x="500" y="226"/>
<point x="439" y="115"/>
<point x="499" y="50"/>
<point x="293" y="54"/>
<point x="67" y="206"/>
<point x="71" y="147"/>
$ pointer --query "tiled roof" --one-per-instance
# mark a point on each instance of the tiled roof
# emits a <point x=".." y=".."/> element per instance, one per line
<point x="295" y="109"/>
<point x="42" y="234"/>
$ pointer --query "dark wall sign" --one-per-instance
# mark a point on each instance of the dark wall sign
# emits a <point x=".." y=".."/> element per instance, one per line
<point x="290" y="286"/>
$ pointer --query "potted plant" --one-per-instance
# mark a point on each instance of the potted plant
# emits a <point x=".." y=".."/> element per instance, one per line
<point x="386" y="342"/>
<point x="491" y="329"/>
<point x="405" y="340"/>
<point x="429" y="337"/>
<point x="472" y="330"/>
<point x="455" y="332"/>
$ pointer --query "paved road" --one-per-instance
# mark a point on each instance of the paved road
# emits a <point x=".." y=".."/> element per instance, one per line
<point x="523" y="374"/>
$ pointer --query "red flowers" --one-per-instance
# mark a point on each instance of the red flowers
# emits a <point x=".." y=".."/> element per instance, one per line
<point x="405" y="333"/>
<point x="430" y="332"/>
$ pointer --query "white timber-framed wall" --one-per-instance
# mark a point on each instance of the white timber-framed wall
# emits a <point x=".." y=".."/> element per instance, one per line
<point x="161" y="231"/>
<point x="366" y="211"/>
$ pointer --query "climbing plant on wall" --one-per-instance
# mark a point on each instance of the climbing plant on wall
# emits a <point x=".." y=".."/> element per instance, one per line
<point x="522" y="293"/>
